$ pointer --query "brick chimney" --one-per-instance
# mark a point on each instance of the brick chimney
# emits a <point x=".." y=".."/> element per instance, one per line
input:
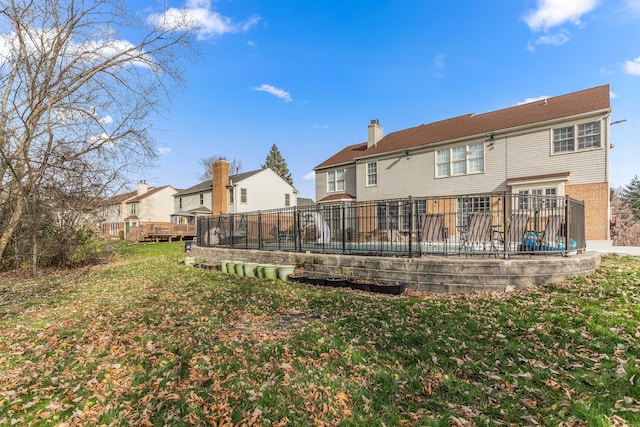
<point x="142" y="188"/>
<point x="375" y="133"/>
<point x="219" y="187"/>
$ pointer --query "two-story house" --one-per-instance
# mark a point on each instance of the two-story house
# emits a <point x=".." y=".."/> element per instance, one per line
<point x="256" y="190"/>
<point x="557" y="146"/>
<point x="128" y="210"/>
<point x="191" y="203"/>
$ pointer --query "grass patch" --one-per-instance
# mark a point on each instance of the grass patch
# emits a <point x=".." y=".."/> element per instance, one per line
<point x="145" y="340"/>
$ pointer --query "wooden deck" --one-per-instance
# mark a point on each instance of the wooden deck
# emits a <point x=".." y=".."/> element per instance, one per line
<point x="157" y="231"/>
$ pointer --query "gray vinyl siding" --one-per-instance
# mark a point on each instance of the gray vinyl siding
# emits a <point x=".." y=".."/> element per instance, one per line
<point x="512" y="155"/>
<point x="532" y="154"/>
<point x="414" y="175"/>
<point x="350" y="184"/>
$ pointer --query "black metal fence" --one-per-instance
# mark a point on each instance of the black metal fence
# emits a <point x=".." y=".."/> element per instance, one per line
<point x="501" y="224"/>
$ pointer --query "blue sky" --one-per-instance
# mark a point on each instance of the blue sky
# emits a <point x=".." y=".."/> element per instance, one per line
<point x="309" y="76"/>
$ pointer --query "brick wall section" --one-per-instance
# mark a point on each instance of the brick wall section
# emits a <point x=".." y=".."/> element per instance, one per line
<point x="596" y="199"/>
<point x="220" y="178"/>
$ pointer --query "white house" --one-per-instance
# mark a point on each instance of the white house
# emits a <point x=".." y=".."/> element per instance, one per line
<point x="145" y="205"/>
<point x="191" y="203"/>
<point x="556" y="146"/>
<point x="255" y="190"/>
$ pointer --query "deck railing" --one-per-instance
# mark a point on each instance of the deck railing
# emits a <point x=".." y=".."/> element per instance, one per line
<point x="501" y="224"/>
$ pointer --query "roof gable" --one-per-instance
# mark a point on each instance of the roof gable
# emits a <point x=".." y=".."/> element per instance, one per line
<point x="148" y="193"/>
<point x="564" y="106"/>
<point x="204" y="186"/>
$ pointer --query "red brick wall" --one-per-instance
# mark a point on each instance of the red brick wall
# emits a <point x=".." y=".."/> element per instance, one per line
<point x="596" y="199"/>
<point x="220" y="179"/>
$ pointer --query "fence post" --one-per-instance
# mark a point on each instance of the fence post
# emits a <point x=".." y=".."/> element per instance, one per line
<point x="506" y="243"/>
<point x="296" y="228"/>
<point x="566" y="226"/>
<point x="278" y="230"/>
<point x="344" y="228"/>
<point x="246" y="229"/>
<point x="260" y="246"/>
<point x="410" y="201"/>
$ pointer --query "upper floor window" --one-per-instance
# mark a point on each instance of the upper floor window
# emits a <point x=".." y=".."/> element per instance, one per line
<point x="134" y="208"/>
<point x="588" y="136"/>
<point x="243" y="195"/>
<point x="287" y="199"/>
<point x="372" y="173"/>
<point x="335" y="181"/>
<point x="201" y="199"/>
<point x="180" y="200"/>
<point x="231" y="195"/>
<point x="460" y="160"/>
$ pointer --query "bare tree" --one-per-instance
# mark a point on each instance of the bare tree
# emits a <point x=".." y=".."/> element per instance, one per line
<point x="235" y="166"/>
<point x="77" y="97"/>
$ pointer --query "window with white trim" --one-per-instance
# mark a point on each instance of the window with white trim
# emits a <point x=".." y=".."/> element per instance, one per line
<point x="460" y="160"/>
<point x="335" y="181"/>
<point x="587" y="135"/>
<point x="243" y="195"/>
<point x="372" y="173"/>
<point x="287" y="199"/>
<point x="134" y="208"/>
<point x="537" y="198"/>
<point x="201" y="199"/>
<point x="231" y="195"/>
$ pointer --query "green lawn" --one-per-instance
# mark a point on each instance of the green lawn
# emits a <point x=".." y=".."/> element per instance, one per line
<point x="145" y="340"/>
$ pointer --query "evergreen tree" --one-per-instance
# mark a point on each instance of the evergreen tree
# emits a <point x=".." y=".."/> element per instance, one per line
<point x="278" y="164"/>
<point x="631" y="197"/>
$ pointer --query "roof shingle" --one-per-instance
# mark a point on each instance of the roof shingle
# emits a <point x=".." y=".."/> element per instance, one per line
<point x="573" y="104"/>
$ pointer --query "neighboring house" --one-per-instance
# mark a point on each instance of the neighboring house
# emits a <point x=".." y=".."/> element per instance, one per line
<point x="145" y="205"/>
<point x="555" y="146"/>
<point x="305" y="202"/>
<point x="191" y="203"/>
<point x="260" y="189"/>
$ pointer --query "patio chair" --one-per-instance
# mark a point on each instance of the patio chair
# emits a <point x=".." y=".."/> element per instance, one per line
<point x="547" y="237"/>
<point x="432" y="229"/>
<point x="516" y="228"/>
<point x="477" y="233"/>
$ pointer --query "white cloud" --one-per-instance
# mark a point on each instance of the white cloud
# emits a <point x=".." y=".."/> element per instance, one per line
<point x="553" y="13"/>
<point x="197" y="15"/>
<point x="164" y="150"/>
<point x="612" y="94"/>
<point x="529" y="100"/>
<point x="632" y="67"/>
<point x="280" y="93"/>
<point x="106" y="120"/>
<point x="321" y="126"/>
<point x="439" y="60"/>
<point x="632" y="6"/>
<point x="310" y="176"/>
<point x="40" y="43"/>
<point x="554" y="39"/>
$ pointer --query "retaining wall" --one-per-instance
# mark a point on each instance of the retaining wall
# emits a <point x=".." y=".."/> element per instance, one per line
<point x="429" y="273"/>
